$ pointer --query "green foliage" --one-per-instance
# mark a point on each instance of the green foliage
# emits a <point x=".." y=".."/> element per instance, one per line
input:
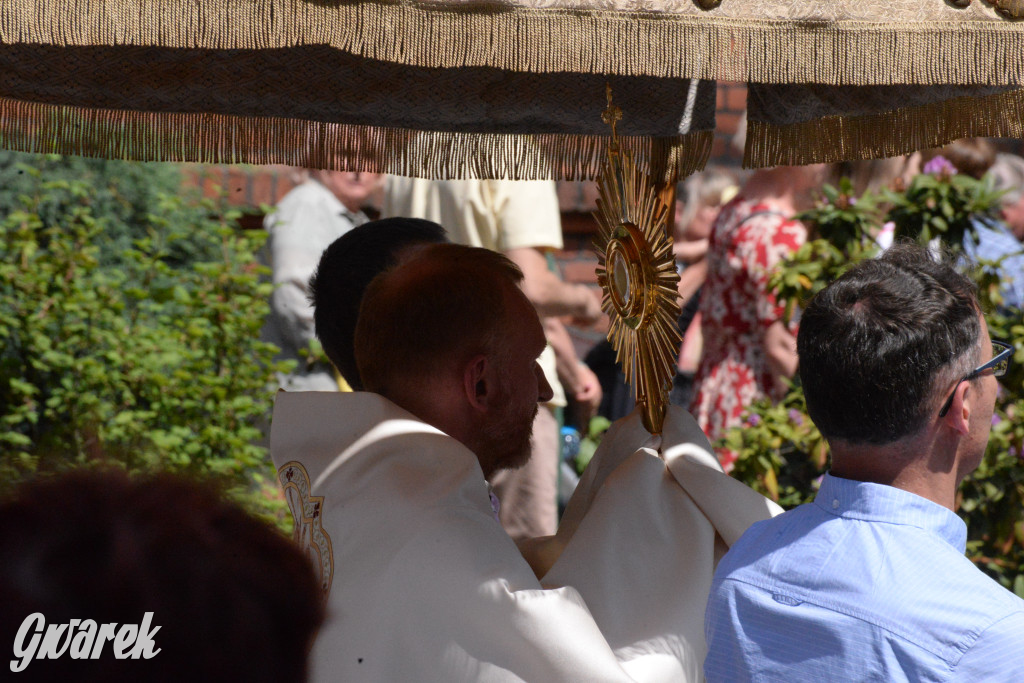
<point x="782" y="454"/>
<point x="148" y="361"/>
<point x="589" y="442"/>
<point x="122" y="195"/>
<point x="843" y="224"/>
<point x="940" y="205"/>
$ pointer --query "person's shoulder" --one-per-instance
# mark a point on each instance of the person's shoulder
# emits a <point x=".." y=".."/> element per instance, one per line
<point x="305" y="193"/>
<point x="286" y="207"/>
<point x="960" y="575"/>
<point x="998" y="601"/>
<point x="954" y="603"/>
<point x="764" y="538"/>
<point x="308" y="187"/>
<point x="752" y="219"/>
<point x="735" y="209"/>
<point x="994" y="652"/>
<point x="991" y="232"/>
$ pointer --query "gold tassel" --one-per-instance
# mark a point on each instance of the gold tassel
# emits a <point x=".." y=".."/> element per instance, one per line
<point x="765" y="50"/>
<point x="216" y="138"/>
<point x="887" y="134"/>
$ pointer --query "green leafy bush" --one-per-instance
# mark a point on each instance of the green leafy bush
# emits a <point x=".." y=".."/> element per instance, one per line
<point x="939" y="205"/>
<point x="843" y="224"/>
<point x="150" y="360"/>
<point x="781" y="452"/>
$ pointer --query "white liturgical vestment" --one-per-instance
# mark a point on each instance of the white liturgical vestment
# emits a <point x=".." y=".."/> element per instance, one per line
<point x="643" y="533"/>
<point x="424" y="585"/>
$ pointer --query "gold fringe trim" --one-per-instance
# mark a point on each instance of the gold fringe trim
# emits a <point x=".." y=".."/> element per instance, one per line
<point x="220" y="139"/>
<point x="979" y="52"/>
<point x="887" y="134"/>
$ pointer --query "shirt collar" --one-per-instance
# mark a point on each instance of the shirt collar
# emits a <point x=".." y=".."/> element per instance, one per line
<point x="495" y="503"/>
<point x="881" y="503"/>
<point x="336" y="204"/>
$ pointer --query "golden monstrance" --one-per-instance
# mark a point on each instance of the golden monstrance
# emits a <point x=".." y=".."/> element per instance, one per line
<point x="637" y="272"/>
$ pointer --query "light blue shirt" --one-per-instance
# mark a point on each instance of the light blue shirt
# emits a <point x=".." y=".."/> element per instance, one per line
<point x="868" y="582"/>
<point x="993" y="241"/>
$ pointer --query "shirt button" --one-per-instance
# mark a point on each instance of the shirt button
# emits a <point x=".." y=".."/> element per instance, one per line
<point x="835" y="503"/>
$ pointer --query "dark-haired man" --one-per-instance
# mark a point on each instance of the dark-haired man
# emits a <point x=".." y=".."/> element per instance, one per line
<point x="346" y="268"/>
<point x="870" y="581"/>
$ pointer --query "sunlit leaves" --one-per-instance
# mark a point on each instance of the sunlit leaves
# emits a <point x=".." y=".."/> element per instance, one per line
<point x="149" y="358"/>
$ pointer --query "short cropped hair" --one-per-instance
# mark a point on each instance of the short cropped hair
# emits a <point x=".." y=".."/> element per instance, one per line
<point x="876" y="345"/>
<point x="234" y="599"/>
<point x="440" y="308"/>
<point x="346" y="268"/>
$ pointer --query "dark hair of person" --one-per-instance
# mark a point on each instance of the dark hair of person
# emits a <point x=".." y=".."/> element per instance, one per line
<point x="439" y="308"/>
<point x="880" y="344"/>
<point x="346" y="268"/>
<point x="234" y="599"/>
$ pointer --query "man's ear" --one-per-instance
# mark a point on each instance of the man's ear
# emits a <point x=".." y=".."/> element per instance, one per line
<point x="477" y="383"/>
<point x="959" y="416"/>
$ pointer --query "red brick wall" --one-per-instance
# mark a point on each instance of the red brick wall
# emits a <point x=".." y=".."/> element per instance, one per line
<point x="731" y="105"/>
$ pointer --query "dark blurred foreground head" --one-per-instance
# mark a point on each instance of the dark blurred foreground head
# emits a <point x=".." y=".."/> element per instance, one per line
<point x="233" y="598"/>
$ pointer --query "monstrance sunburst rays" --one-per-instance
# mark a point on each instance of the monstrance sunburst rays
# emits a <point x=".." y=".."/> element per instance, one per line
<point x="637" y="272"/>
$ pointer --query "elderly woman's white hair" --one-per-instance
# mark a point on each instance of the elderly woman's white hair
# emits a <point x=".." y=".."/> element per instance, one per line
<point x="1008" y="174"/>
<point x="713" y="187"/>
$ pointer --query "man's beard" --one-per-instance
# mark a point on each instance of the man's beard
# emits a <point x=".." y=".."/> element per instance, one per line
<point x="507" y="444"/>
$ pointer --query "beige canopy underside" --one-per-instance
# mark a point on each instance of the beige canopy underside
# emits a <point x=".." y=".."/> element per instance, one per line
<point x="510" y="89"/>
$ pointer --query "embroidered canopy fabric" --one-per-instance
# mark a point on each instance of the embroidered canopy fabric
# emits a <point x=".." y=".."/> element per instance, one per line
<point x="467" y="88"/>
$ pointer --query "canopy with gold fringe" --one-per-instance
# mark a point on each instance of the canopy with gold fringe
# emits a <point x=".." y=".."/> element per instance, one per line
<point x="470" y="88"/>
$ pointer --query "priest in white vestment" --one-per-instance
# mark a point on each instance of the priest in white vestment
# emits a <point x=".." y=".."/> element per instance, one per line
<point x="421" y="582"/>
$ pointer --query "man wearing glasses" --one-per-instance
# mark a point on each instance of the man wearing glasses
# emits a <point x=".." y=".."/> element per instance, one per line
<point x="870" y="581"/>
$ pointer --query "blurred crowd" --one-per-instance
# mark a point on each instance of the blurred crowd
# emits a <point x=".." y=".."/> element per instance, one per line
<point x="731" y="229"/>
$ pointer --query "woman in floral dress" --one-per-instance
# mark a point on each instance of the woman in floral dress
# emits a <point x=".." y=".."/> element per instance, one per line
<point x="748" y="349"/>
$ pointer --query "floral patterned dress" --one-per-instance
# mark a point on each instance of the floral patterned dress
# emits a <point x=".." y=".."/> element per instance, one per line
<point x="748" y="240"/>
